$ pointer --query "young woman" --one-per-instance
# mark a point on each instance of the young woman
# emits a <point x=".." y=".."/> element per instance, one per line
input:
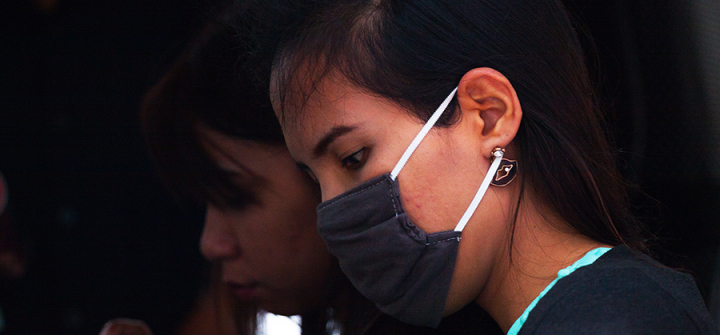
<point x="462" y="160"/>
<point x="216" y="140"/>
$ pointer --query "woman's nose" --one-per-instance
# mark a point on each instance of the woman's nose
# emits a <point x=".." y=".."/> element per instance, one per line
<point x="217" y="241"/>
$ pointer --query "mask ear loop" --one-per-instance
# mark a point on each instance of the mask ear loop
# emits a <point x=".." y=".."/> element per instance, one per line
<point x="421" y="135"/>
<point x="498" y="155"/>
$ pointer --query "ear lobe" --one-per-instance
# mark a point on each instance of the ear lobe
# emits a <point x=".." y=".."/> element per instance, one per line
<point x="489" y="101"/>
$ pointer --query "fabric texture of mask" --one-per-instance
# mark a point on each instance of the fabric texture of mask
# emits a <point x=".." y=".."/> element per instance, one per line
<point x="388" y="259"/>
<point x="392" y="262"/>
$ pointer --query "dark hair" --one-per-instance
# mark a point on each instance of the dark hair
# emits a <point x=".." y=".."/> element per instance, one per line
<point x="415" y="52"/>
<point x="205" y="88"/>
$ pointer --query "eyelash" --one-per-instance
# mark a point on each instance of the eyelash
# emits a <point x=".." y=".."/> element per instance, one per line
<point x="352" y="162"/>
<point x="312" y="176"/>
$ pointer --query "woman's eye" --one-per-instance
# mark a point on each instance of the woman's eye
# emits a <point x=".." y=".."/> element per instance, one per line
<point x="312" y="176"/>
<point x="355" y="160"/>
<point x="307" y="170"/>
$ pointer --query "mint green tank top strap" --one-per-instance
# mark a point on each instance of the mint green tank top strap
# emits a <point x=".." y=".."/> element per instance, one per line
<point x="588" y="259"/>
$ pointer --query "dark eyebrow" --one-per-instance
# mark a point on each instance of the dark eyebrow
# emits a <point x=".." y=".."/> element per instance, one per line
<point x="334" y="133"/>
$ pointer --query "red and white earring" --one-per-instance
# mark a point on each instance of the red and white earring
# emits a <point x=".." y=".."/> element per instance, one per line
<point x="507" y="170"/>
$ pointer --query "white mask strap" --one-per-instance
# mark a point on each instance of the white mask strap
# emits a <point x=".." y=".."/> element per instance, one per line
<point x="421" y="135"/>
<point x="416" y="142"/>
<point x="498" y="155"/>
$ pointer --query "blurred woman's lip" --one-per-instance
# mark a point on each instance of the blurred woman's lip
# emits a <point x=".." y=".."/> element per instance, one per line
<point x="244" y="291"/>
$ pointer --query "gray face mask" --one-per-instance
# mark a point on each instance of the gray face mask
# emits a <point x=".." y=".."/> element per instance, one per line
<point x="391" y="261"/>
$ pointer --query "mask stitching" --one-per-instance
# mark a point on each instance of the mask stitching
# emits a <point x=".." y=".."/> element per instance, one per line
<point x="445" y="240"/>
<point x="351" y="194"/>
<point x="392" y="196"/>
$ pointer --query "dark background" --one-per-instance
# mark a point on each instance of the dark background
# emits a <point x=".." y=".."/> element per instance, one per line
<point x="103" y="239"/>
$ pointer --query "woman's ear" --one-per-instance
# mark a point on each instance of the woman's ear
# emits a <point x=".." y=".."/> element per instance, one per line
<point x="489" y="102"/>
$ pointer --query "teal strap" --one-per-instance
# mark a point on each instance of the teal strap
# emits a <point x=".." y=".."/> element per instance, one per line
<point x="588" y="259"/>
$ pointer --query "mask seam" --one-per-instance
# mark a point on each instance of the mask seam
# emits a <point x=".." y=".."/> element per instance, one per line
<point x="392" y="196"/>
<point x="354" y="193"/>
<point x="445" y="240"/>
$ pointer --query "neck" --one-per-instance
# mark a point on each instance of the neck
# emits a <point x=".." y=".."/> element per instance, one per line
<point x="539" y="250"/>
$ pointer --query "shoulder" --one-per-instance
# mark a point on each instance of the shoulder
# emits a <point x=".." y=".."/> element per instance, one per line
<point x="623" y="292"/>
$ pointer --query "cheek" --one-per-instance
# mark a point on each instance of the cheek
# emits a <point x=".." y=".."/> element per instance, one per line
<point x="420" y="201"/>
<point x="293" y="232"/>
<point x="430" y="194"/>
<point x="299" y="259"/>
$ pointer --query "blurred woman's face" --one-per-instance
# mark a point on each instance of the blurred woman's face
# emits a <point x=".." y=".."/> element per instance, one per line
<point x="269" y="250"/>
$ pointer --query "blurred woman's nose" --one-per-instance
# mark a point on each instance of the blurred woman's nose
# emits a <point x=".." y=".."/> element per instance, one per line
<point x="218" y="241"/>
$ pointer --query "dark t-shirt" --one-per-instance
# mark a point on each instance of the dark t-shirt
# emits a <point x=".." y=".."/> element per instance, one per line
<point x="622" y="292"/>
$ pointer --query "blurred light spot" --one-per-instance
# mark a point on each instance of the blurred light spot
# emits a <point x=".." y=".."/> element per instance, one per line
<point x="271" y="324"/>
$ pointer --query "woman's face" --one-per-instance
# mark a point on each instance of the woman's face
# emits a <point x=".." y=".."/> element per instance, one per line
<point x="269" y="250"/>
<point x="344" y="136"/>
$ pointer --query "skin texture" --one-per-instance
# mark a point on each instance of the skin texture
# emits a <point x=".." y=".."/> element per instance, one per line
<point x="439" y="181"/>
<point x="269" y="251"/>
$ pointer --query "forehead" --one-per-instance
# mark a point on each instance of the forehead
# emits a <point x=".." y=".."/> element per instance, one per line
<point x="246" y="158"/>
<point x="312" y="111"/>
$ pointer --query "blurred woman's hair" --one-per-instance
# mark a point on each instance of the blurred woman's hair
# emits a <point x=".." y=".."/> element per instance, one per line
<point x="415" y="52"/>
<point x="204" y="88"/>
